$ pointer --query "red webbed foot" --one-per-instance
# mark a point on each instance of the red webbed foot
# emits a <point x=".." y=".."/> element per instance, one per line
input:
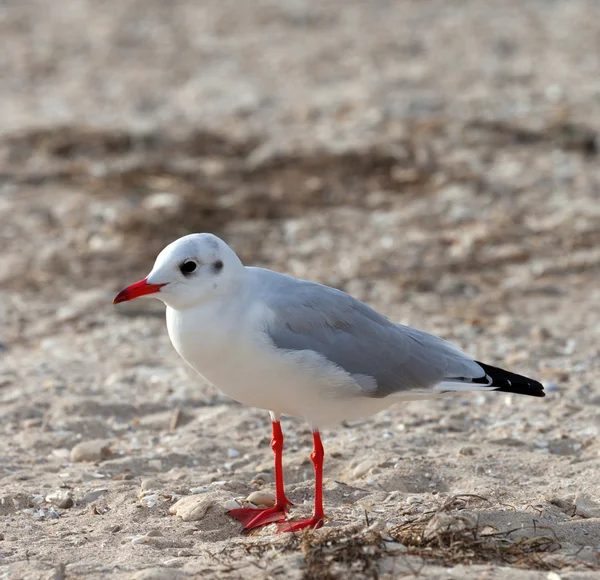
<point x="290" y="526"/>
<point x="252" y="518"/>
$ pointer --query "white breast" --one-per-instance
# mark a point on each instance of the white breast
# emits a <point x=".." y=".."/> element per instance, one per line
<point x="231" y="351"/>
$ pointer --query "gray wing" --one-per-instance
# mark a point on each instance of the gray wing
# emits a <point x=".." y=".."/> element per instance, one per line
<point x="384" y="358"/>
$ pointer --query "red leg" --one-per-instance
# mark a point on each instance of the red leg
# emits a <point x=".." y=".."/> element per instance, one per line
<point x="255" y="517"/>
<point x="318" y="515"/>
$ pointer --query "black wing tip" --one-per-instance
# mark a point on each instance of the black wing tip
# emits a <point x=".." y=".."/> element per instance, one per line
<point x="507" y="382"/>
<point x="531" y="391"/>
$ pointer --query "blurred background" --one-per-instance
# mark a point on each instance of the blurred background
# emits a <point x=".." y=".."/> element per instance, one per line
<point x="382" y="147"/>
<point x="436" y="159"/>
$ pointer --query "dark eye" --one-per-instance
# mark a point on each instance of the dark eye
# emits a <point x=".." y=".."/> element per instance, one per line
<point x="218" y="266"/>
<point x="187" y="267"/>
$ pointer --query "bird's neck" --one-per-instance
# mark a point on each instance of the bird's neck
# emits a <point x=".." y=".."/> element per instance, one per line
<point x="202" y="334"/>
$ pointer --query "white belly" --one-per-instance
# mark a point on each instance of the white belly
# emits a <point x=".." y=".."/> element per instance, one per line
<point x="237" y="358"/>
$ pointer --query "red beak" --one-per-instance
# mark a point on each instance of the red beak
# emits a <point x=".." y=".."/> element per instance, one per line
<point x="136" y="290"/>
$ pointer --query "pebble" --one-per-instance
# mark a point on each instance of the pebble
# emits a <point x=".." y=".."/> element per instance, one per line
<point x="176" y="418"/>
<point x="232" y="504"/>
<point x="94" y="450"/>
<point x="52" y="514"/>
<point x="192" y="508"/>
<point x="261" y="498"/>
<point x="173" y="563"/>
<point x="36" y="514"/>
<point x="149" y="500"/>
<point x="125" y="476"/>
<point x="446" y="522"/>
<point x="564" y="446"/>
<point x="61" y="453"/>
<point x="262" y="478"/>
<point x="586" y="507"/>
<point x="200" y="489"/>
<point x="395" y="547"/>
<point x="233" y="453"/>
<point x="92" y="496"/>
<point x="414" y="499"/>
<point x="361" y="469"/>
<point x="165" y="203"/>
<point x="150" y="484"/>
<point x="61" y="499"/>
<point x="562" y="503"/>
<point x="466" y="451"/>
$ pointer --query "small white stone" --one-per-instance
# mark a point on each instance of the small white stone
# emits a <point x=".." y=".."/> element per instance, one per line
<point x="192" y="507"/>
<point x="199" y="489"/>
<point x="92" y="496"/>
<point x="362" y="469"/>
<point x="586" y="507"/>
<point x="414" y="499"/>
<point x="149" y="500"/>
<point x="149" y="484"/>
<point x="262" y="499"/>
<point x="52" y="514"/>
<point x="232" y="504"/>
<point x="165" y="202"/>
<point x="395" y="547"/>
<point x="95" y="450"/>
<point x="173" y="562"/>
<point x="61" y="453"/>
<point x="61" y="499"/>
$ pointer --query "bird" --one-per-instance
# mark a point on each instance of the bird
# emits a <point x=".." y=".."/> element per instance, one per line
<point x="296" y="347"/>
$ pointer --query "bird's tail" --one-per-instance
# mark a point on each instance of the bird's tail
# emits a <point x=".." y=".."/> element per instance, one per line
<point x="507" y="382"/>
<point x="494" y="379"/>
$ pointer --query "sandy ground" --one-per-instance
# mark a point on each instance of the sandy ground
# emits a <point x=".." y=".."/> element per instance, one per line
<point x="438" y="160"/>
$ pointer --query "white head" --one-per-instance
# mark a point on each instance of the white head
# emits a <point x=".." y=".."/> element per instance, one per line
<point x="188" y="272"/>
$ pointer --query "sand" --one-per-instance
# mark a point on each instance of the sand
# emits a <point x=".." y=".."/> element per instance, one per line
<point x="437" y="160"/>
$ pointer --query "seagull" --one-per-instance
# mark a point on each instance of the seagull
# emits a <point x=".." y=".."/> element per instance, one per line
<point x="299" y="348"/>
